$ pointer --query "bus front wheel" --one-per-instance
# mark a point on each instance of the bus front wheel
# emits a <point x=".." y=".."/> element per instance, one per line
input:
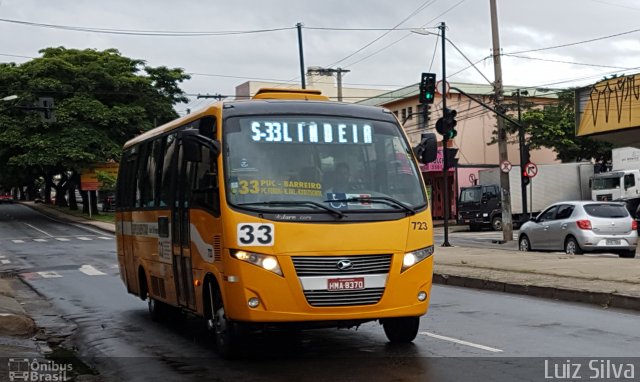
<point x="401" y="329"/>
<point x="224" y="331"/>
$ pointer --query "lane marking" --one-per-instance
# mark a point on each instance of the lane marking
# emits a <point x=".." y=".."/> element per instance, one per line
<point x="49" y="274"/>
<point x="91" y="271"/>
<point x="61" y="239"/>
<point x="5" y="261"/>
<point x="88" y="229"/>
<point x="105" y="238"/>
<point x="18" y="241"/>
<point x="38" y="229"/>
<point x="83" y="238"/>
<point x="40" y="240"/>
<point x="3" y="256"/>
<point x="461" y="342"/>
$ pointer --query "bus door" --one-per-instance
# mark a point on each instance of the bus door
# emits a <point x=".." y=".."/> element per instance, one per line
<point x="126" y="198"/>
<point x="180" y="238"/>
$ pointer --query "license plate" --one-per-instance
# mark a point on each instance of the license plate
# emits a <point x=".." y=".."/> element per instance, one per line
<point x="613" y="241"/>
<point x="352" y="283"/>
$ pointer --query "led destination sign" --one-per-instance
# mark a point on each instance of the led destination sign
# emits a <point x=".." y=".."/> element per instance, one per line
<point x="311" y="132"/>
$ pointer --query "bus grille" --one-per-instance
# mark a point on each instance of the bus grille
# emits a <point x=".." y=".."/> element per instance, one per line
<point x="368" y="296"/>
<point x="328" y="265"/>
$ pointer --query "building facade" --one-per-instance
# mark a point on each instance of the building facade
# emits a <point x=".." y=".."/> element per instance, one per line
<point x="476" y="128"/>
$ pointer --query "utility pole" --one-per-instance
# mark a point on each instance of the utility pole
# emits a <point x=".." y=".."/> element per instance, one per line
<point x="445" y="162"/>
<point x="507" y="223"/>
<point x="302" y="75"/>
<point x="329" y="72"/>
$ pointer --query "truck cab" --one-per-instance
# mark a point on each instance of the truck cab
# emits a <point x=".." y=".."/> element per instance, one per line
<point x="480" y="206"/>
<point x="622" y="185"/>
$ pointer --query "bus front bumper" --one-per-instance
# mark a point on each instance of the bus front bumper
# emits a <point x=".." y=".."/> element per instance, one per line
<point x="259" y="296"/>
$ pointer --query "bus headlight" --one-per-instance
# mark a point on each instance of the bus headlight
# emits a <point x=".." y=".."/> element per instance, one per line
<point x="267" y="262"/>
<point x="412" y="258"/>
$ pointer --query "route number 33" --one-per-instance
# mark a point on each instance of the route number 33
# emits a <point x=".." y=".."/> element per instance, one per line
<point x="255" y="234"/>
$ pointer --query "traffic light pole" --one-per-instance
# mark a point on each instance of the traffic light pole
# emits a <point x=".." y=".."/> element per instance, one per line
<point x="445" y="162"/>
<point x="523" y="156"/>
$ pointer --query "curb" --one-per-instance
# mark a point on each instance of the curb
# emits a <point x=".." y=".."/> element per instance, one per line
<point x="54" y="214"/>
<point x="610" y="300"/>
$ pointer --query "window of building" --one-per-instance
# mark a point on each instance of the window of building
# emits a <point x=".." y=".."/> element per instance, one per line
<point x="410" y="113"/>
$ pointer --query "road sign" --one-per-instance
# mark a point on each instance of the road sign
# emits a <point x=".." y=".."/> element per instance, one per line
<point x="439" y="87"/>
<point x="505" y="166"/>
<point x="472" y="178"/>
<point x="531" y="169"/>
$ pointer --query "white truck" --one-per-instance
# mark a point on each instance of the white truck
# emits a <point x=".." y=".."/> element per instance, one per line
<point x="622" y="183"/>
<point x="480" y="206"/>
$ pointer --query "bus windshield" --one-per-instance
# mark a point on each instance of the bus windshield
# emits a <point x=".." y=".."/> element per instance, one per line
<point x="291" y="162"/>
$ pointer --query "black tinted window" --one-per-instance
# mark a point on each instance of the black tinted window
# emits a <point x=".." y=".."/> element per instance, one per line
<point x="602" y="210"/>
<point x="549" y="214"/>
<point x="564" y="211"/>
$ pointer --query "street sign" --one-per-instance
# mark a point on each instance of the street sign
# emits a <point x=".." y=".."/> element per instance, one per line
<point x="472" y="178"/>
<point x="439" y="87"/>
<point x="531" y="169"/>
<point x="505" y="166"/>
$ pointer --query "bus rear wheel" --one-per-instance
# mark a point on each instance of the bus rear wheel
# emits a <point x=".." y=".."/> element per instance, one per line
<point x="401" y="329"/>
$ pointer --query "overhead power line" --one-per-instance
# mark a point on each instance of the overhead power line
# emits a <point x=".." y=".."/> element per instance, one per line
<point x="136" y="32"/>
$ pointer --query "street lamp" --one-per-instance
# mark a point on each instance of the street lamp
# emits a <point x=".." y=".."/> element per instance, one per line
<point x="10" y="98"/>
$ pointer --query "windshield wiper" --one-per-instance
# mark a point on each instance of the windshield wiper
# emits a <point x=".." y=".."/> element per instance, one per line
<point x="330" y="210"/>
<point x="381" y="199"/>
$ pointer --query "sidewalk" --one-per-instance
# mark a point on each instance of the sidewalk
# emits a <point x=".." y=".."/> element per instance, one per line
<point x="606" y="281"/>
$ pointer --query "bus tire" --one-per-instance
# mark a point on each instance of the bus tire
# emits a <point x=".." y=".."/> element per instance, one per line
<point x="157" y="309"/>
<point x="223" y="330"/>
<point x="401" y="329"/>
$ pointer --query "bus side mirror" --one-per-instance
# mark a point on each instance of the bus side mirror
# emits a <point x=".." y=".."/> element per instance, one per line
<point x="427" y="149"/>
<point x="193" y="142"/>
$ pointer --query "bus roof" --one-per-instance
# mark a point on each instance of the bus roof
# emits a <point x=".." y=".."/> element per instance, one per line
<point x="280" y="105"/>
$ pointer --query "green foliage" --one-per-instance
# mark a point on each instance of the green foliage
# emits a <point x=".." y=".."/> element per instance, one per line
<point x="553" y="126"/>
<point x="101" y="99"/>
<point x="108" y="181"/>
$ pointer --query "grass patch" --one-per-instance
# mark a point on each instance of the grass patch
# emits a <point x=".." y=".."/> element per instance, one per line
<point x="108" y="217"/>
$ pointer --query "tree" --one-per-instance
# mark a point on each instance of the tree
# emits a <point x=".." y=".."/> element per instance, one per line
<point x="553" y="127"/>
<point x="102" y="99"/>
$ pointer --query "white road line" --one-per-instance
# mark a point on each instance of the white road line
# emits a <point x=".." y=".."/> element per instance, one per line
<point x="105" y="238"/>
<point x="38" y="229"/>
<point x="83" y="238"/>
<point x="5" y="261"/>
<point x="88" y="229"/>
<point x="461" y="342"/>
<point x="18" y="241"/>
<point x="61" y="239"/>
<point x="91" y="271"/>
<point x="40" y="240"/>
<point x="3" y="257"/>
<point x="49" y="274"/>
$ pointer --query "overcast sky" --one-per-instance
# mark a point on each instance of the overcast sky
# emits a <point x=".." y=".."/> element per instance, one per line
<point x="393" y="59"/>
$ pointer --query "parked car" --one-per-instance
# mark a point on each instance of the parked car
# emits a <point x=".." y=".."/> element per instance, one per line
<point x="6" y="198"/>
<point x="582" y="226"/>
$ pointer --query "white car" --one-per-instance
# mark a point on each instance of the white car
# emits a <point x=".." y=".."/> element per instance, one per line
<point x="582" y="226"/>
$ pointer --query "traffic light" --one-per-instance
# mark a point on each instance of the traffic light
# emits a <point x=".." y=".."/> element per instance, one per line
<point x="450" y="157"/>
<point x="47" y="109"/>
<point x="427" y="88"/>
<point x="525" y="158"/>
<point x="445" y="125"/>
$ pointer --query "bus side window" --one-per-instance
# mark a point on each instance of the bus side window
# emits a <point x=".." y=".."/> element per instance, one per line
<point x="204" y="185"/>
<point x="169" y="149"/>
<point x="141" y="178"/>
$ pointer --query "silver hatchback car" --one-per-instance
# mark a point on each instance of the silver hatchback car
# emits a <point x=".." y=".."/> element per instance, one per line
<point x="582" y="226"/>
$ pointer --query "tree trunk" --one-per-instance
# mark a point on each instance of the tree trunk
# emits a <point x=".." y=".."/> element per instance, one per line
<point x="94" y="203"/>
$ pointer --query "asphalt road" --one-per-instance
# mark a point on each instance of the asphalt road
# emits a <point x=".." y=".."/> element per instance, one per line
<point x="467" y="335"/>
